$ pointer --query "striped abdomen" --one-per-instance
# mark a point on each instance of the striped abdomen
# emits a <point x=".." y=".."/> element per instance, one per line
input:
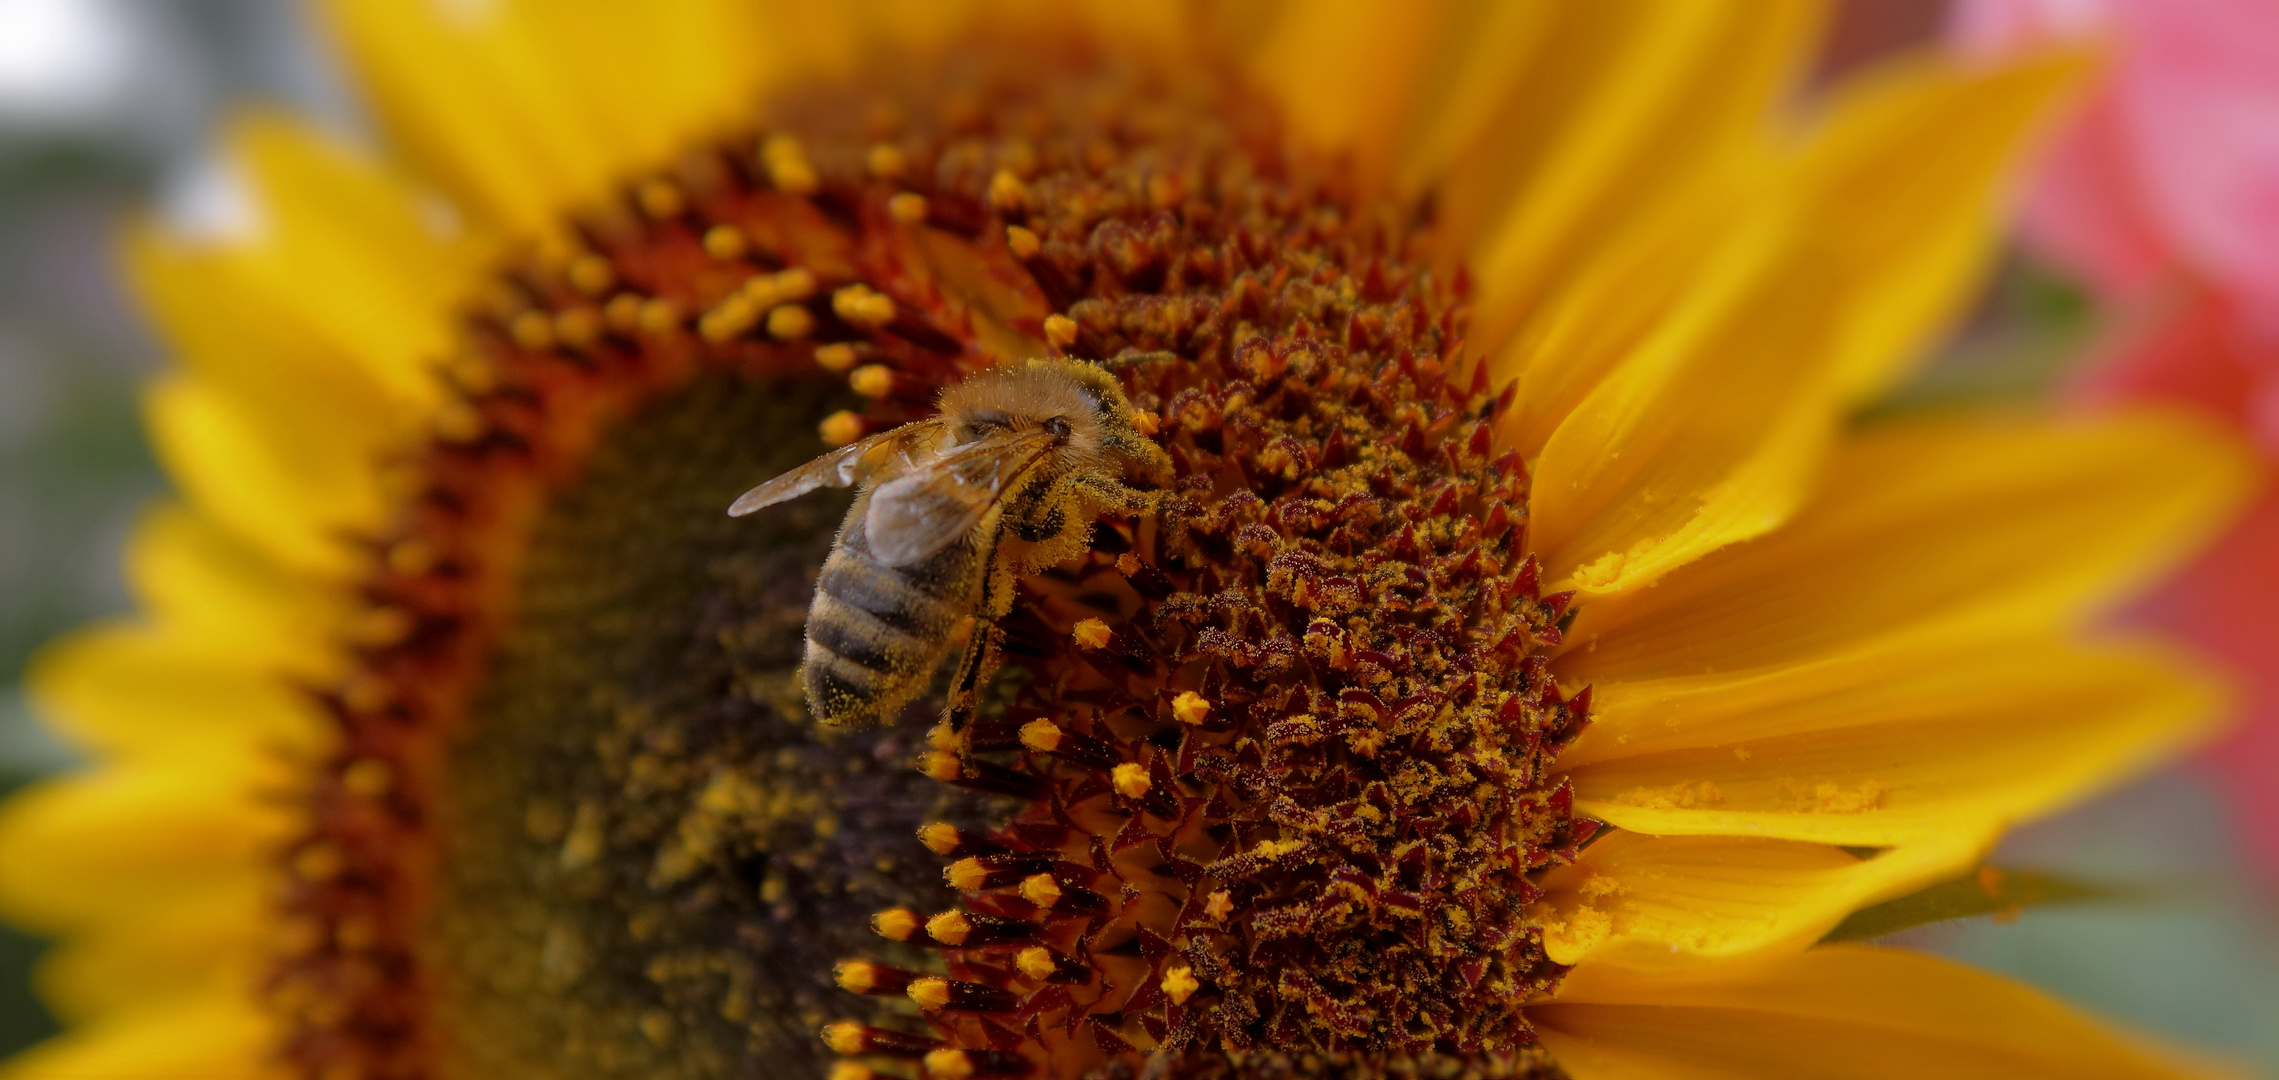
<point x="876" y="633"/>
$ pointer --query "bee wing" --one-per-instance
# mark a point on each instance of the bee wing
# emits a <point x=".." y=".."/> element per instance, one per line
<point x="940" y="501"/>
<point x="845" y="467"/>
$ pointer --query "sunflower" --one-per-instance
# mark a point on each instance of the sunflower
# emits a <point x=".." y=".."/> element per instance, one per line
<point x="1527" y="664"/>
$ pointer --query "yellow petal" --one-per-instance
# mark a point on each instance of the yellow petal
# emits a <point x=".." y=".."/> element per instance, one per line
<point x="1617" y="99"/>
<point x="211" y="940"/>
<point x="195" y="580"/>
<point x="293" y="494"/>
<point x="1849" y="1011"/>
<point x="1342" y="70"/>
<point x="1705" y="435"/>
<point x="132" y="690"/>
<point x="208" y="1037"/>
<point x="1949" y="525"/>
<point x="345" y="253"/>
<point x="1676" y="901"/>
<point x="1903" y="179"/>
<point x="93" y="848"/>
<point x="471" y="96"/>
<point x="1947" y="755"/>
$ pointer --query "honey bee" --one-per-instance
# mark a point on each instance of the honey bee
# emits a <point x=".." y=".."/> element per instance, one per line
<point x="1038" y="450"/>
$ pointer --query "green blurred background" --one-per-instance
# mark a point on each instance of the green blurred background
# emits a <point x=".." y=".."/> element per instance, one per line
<point x="107" y="108"/>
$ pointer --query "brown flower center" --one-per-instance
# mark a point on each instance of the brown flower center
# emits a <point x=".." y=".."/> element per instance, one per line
<point x="1258" y="786"/>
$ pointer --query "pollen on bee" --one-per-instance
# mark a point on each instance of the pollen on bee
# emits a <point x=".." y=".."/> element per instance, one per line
<point x="1092" y="633"/>
<point x="1190" y="707"/>
<point x="1023" y="243"/>
<point x="1060" y="331"/>
<point x="841" y="428"/>
<point x="790" y="322"/>
<point x="872" y="380"/>
<point x="725" y="242"/>
<point x="1130" y="779"/>
<point x="907" y="207"/>
<point x="862" y="305"/>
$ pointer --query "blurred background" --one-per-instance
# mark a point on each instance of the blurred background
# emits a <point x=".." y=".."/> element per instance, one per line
<point x="107" y="108"/>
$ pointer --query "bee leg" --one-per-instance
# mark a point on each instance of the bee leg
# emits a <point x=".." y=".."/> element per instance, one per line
<point x="981" y="650"/>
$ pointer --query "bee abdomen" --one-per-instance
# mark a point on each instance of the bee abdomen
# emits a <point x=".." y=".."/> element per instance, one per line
<point x="874" y="636"/>
<point x="894" y="597"/>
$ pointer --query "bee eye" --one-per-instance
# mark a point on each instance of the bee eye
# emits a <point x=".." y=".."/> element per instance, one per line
<point x="1058" y="426"/>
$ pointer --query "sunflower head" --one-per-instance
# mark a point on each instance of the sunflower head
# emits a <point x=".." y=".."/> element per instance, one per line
<point x="1481" y="625"/>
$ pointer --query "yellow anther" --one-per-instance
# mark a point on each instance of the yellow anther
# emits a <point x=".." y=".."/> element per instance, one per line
<point x="367" y="777"/>
<point x="1023" y="243"/>
<point x="380" y="627"/>
<point x="761" y="291"/>
<point x="660" y="199"/>
<point x="840" y="428"/>
<point x="837" y="356"/>
<point x="872" y="380"/>
<point x="1060" y="331"/>
<point x="660" y="317"/>
<point x="657" y="1025"/>
<point x="319" y="862"/>
<point x="786" y="163"/>
<point x="855" y="976"/>
<point x="578" y="327"/>
<point x="1037" y="963"/>
<point x="1040" y="735"/>
<point x="1130" y="779"/>
<point x="845" y="1037"/>
<point x="725" y="242"/>
<point x="941" y="765"/>
<point x="592" y="274"/>
<point x="1092" y="633"/>
<point x="886" y="161"/>
<point x="1041" y="890"/>
<point x="412" y="557"/>
<point x="862" y="305"/>
<point x="533" y="330"/>
<point x="940" y="837"/>
<point x="851" y="1070"/>
<point x="966" y="875"/>
<point x="731" y="319"/>
<point x="471" y="372"/>
<point x="622" y="313"/>
<point x="1164" y="191"/>
<point x="790" y="322"/>
<point x="1145" y="422"/>
<point x="1190" y="708"/>
<point x="895" y="924"/>
<point x="1007" y="192"/>
<point x="1179" y="984"/>
<point x="949" y="927"/>
<point x="1218" y="906"/>
<point x="930" y="993"/>
<point x="365" y="694"/>
<point x="947" y="1064"/>
<point x="908" y="207"/>
<point x="457" y="422"/>
<point x="796" y="283"/>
